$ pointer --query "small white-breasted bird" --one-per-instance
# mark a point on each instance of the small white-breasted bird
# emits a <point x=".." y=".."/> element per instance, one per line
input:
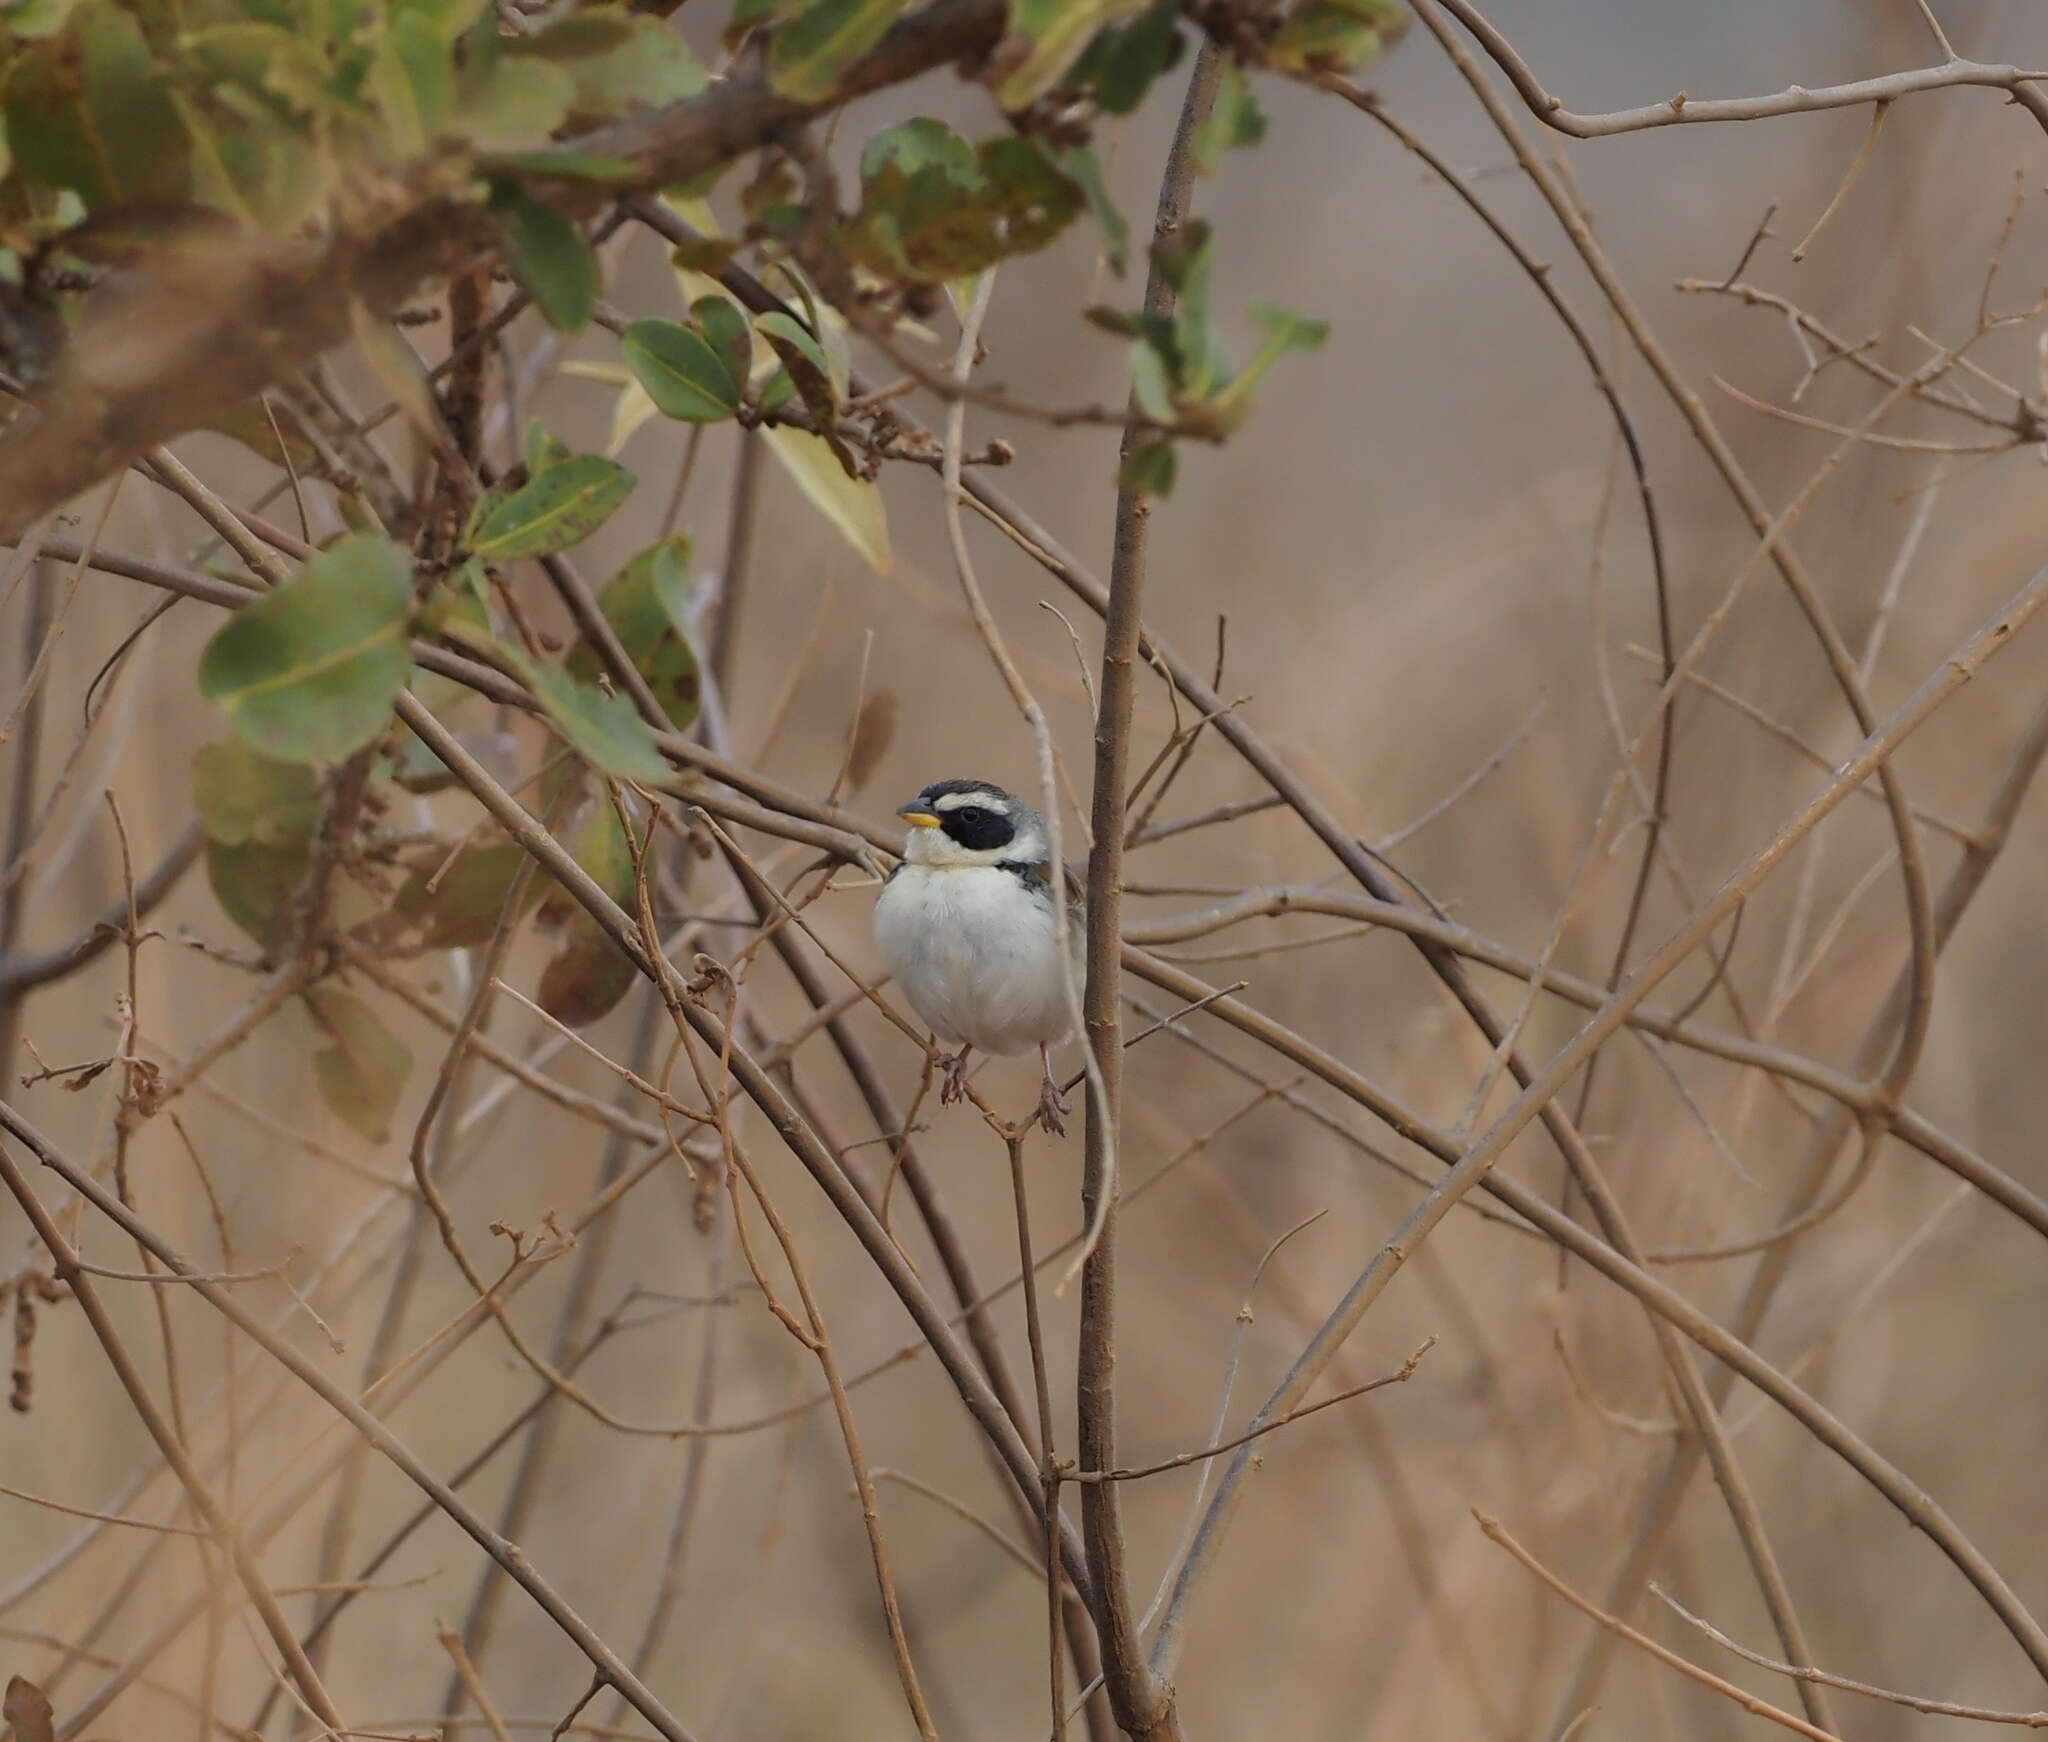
<point x="966" y="924"/>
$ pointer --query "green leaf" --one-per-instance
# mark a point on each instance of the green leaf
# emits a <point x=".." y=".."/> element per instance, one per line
<point x="721" y="321"/>
<point x="589" y="973"/>
<point x="602" y="849"/>
<point x="1235" y="121"/>
<point x="587" y="976"/>
<point x="619" y="60"/>
<point x="1046" y="38"/>
<point x="89" y="109"/>
<point x="455" y="904"/>
<point x="1121" y="63"/>
<point x="934" y="208"/>
<point x="606" y="731"/>
<point x="919" y="143"/>
<point x="396" y="366"/>
<point x="684" y="373"/>
<point x="427" y="55"/>
<point x="1078" y="164"/>
<point x="1281" y="331"/>
<point x="853" y="506"/>
<point x="543" y="449"/>
<point x="1148" y="469"/>
<point x="362" y="1068"/>
<point x="549" y="257"/>
<point x="561" y="507"/>
<point x="805" y="359"/>
<point x="516" y="102"/>
<point x="1334" y="35"/>
<point x="1200" y="363"/>
<point x="31" y="20"/>
<point x="256" y="885"/>
<point x="309" y="672"/>
<point x="647" y="604"/>
<point x="1151" y="384"/>
<point x="247" y="798"/>
<point x="811" y="50"/>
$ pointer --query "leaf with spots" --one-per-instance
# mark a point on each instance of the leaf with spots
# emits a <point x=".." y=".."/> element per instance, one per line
<point x="559" y="508"/>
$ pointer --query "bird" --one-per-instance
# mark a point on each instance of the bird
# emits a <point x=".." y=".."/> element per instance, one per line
<point x="967" y="926"/>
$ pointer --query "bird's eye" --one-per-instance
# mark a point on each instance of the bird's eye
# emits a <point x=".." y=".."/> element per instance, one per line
<point x="972" y="813"/>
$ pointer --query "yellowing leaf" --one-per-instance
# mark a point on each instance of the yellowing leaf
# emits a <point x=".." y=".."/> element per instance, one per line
<point x="630" y="410"/>
<point x="852" y="505"/>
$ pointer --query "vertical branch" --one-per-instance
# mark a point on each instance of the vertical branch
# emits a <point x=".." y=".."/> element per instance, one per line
<point x="21" y="798"/>
<point x="1141" y="1699"/>
<point x="1027" y="1271"/>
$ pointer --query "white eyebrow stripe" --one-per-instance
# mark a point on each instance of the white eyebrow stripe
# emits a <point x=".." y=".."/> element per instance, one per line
<point x="953" y="801"/>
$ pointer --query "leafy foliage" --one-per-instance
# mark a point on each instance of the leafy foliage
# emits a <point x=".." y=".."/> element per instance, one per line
<point x="556" y="508"/>
<point x="1334" y="35"/>
<point x="588" y="973"/>
<point x="453" y="902"/>
<point x="685" y="372"/>
<point x="309" y="673"/>
<point x="267" y="111"/>
<point x="548" y="256"/>
<point x="816" y="42"/>
<point x="647" y="604"/>
<point x="260" y="817"/>
<point x="1181" y="376"/>
<point x="362" y="1067"/>
<point x="934" y="208"/>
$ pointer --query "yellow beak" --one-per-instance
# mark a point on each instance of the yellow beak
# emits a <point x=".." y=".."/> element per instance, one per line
<point x="917" y="818"/>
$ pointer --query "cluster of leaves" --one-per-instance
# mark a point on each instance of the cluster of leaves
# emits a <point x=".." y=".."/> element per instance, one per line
<point x="721" y="365"/>
<point x="126" y="127"/>
<point x="1182" y="376"/>
<point x="120" y="121"/>
<point x="306" y="678"/>
<point x="935" y="208"/>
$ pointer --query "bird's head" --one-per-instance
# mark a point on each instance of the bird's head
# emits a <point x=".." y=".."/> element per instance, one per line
<point x="971" y="822"/>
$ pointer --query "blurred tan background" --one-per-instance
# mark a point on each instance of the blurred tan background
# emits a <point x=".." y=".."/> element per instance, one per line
<point x="1401" y="541"/>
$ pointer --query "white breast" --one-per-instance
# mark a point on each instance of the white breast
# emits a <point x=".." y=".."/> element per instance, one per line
<point x="976" y="954"/>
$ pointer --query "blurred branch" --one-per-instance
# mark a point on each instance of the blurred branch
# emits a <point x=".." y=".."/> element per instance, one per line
<point x="1621" y="1629"/>
<point x="1795" y="100"/>
<point x="1475" y="1164"/>
<point x="368" y="1426"/>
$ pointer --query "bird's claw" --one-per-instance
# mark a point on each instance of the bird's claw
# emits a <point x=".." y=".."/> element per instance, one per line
<point x="1052" y="1110"/>
<point x="953" y="1082"/>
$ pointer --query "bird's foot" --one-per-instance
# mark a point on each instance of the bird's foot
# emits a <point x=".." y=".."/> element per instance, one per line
<point x="1052" y="1109"/>
<point x="953" y="1082"/>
